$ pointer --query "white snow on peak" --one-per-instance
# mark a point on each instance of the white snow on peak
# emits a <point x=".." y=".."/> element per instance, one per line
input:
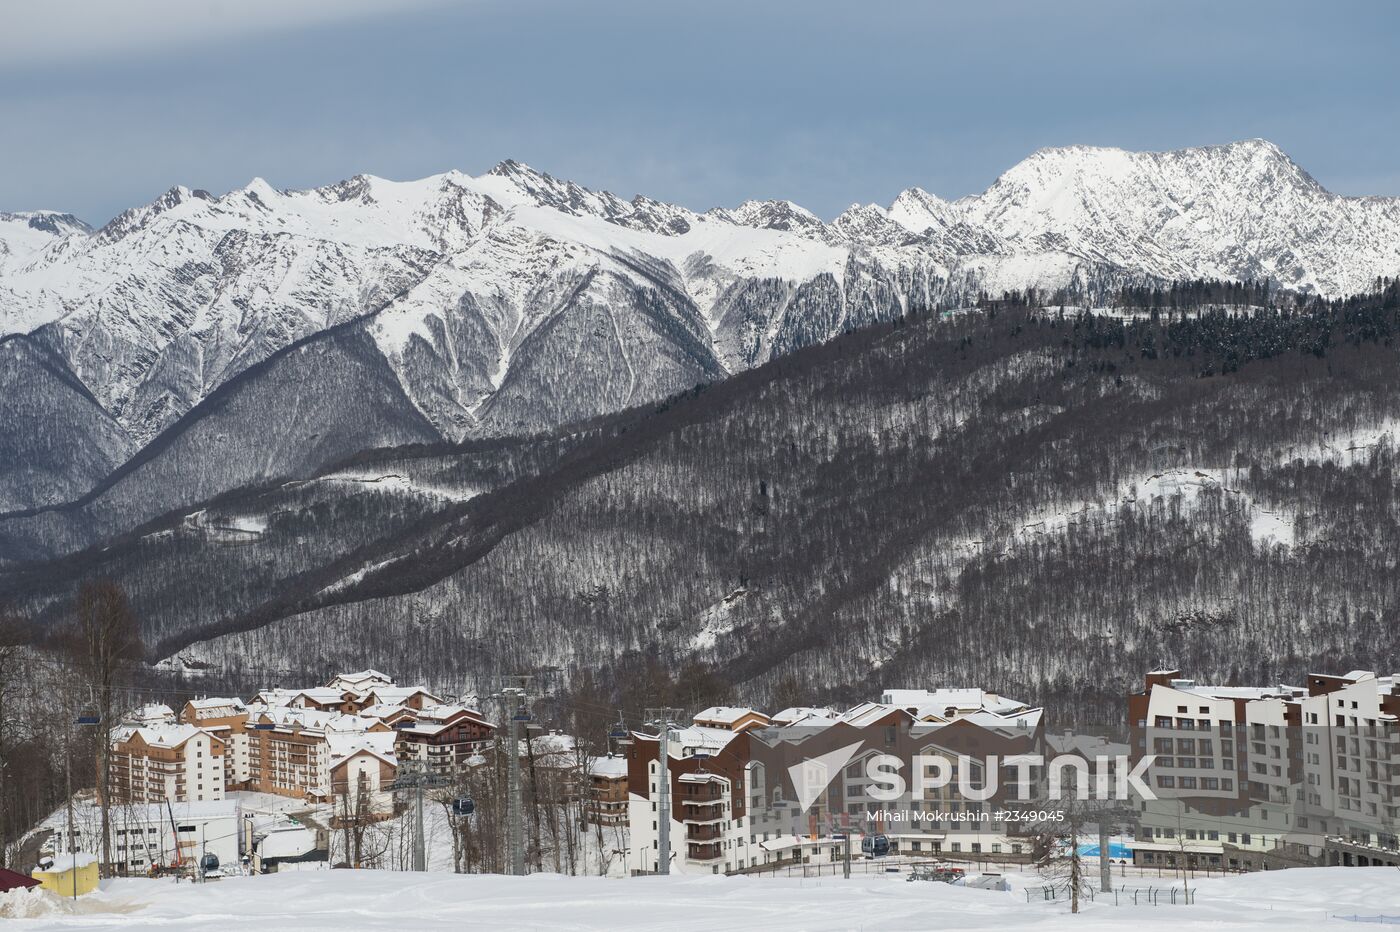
<point x="211" y="284"/>
<point x="917" y="210"/>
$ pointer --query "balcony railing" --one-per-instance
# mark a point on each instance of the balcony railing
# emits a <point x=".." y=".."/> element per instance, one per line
<point x="703" y="812"/>
<point x="706" y="793"/>
<point x="705" y="852"/>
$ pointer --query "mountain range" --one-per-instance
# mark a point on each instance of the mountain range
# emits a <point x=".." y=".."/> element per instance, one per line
<point x="202" y="343"/>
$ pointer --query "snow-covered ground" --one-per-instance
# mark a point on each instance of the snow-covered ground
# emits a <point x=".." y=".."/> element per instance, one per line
<point x="368" y="900"/>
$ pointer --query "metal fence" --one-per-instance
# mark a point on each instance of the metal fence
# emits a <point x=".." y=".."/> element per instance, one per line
<point x="1119" y="896"/>
<point x="1376" y="920"/>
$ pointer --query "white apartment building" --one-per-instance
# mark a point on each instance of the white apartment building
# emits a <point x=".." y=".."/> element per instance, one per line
<point x="1351" y="758"/>
<point x="227" y="718"/>
<point x="181" y="763"/>
<point x="1247" y="774"/>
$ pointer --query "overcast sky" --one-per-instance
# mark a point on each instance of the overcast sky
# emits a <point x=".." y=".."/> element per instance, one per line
<point x="104" y="104"/>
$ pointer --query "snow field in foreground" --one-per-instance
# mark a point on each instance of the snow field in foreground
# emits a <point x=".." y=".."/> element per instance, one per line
<point x="371" y="900"/>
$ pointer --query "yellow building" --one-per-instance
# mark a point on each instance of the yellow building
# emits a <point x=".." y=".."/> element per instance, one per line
<point x="69" y="871"/>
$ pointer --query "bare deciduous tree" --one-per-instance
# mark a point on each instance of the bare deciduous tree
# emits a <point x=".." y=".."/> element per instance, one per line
<point x="106" y="643"/>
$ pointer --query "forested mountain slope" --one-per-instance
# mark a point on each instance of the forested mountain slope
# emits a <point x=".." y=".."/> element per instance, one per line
<point x="315" y="402"/>
<point x="1040" y="503"/>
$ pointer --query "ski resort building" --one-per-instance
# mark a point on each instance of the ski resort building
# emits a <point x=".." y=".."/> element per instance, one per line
<point x="734" y="805"/>
<point x="362" y="771"/>
<point x="291" y="749"/>
<point x="445" y="737"/>
<point x="181" y="763"/>
<point x="606" y="803"/>
<point x="226" y="718"/>
<point x="1255" y="777"/>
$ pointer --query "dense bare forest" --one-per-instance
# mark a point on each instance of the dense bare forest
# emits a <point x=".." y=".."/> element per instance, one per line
<point x="1039" y="501"/>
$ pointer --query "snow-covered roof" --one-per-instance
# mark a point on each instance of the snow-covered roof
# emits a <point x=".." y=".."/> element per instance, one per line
<point x="287" y="841"/>
<point x="949" y="703"/>
<point x="321" y="695"/>
<point x="164" y="735"/>
<point x="686" y="742"/>
<point x="361" y="680"/>
<point x="554" y="743"/>
<point x="66" y="862"/>
<point x="346" y="744"/>
<point x="438" y="718"/>
<point x="310" y="719"/>
<point x="159" y="813"/>
<point x="867" y="713"/>
<point x="276" y="697"/>
<point x="425" y="728"/>
<point x="1240" y="692"/>
<point x="155" y="712"/>
<point x="223" y="705"/>
<point x="443" y="712"/>
<point x="384" y="710"/>
<point x="726" y="714"/>
<point x="398" y="695"/>
<point x="804" y="715"/>
<point x="1087" y="746"/>
<point x="610" y="766"/>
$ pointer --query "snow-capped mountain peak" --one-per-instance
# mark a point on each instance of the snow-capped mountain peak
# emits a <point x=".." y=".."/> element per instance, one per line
<point x="772" y="215"/>
<point x="917" y="211"/>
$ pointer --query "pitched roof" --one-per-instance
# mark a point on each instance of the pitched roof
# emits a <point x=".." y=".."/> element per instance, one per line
<point x="276" y="697"/>
<point x="344" y="745"/>
<point x="163" y="736"/>
<point x="360" y="681"/>
<point x="13" y="880"/>
<point x="321" y="695"/>
<point x="726" y="714"/>
<point x="397" y="695"/>
<point x="218" y="704"/>
<point x="310" y="719"/>
<point x="805" y="715"/>
<point x="157" y="712"/>
<point x="686" y="742"/>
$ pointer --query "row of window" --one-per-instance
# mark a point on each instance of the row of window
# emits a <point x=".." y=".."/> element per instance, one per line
<point x="1170" y="781"/>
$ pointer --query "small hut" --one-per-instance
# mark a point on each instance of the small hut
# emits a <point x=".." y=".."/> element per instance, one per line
<point x="70" y="874"/>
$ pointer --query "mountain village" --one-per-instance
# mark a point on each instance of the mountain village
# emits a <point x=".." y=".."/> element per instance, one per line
<point x="1244" y="779"/>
